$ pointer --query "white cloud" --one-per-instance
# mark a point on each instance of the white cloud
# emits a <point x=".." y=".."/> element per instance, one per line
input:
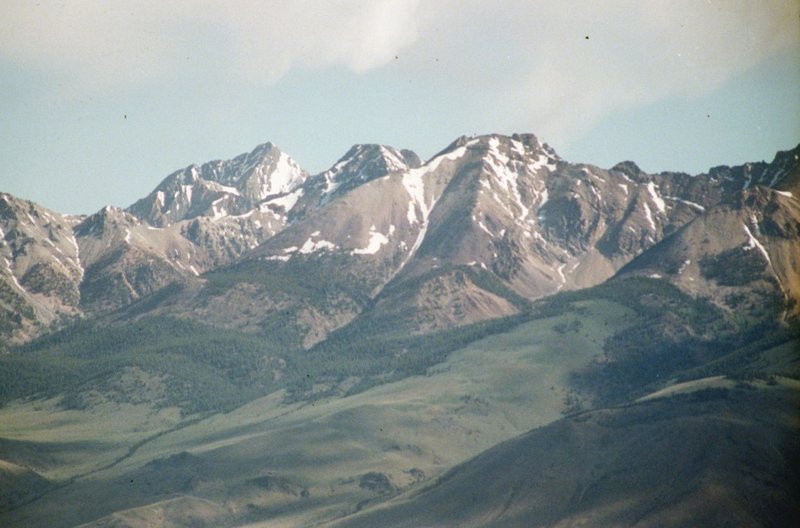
<point x="114" y="43"/>
<point x="534" y="53"/>
<point x="637" y="52"/>
<point x="269" y="38"/>
<point x="86" y="40"/>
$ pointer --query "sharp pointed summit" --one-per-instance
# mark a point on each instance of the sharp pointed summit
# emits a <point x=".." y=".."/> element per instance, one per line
<point x="221" y="188"/>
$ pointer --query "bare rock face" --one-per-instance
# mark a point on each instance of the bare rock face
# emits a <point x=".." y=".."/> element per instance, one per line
<point x="742" y="254"/>
<point x="40" y="268"/>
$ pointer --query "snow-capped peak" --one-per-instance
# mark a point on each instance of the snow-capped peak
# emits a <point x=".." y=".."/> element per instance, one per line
<point x="244" y="182"/>
<point x="263" y="172"/>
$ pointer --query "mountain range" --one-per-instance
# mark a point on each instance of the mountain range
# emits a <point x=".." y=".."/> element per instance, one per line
<point x="243" y="301"/>
<point x="507" y="207"/>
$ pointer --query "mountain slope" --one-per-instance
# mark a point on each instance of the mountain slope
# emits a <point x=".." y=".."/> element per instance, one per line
<point x="693" y="459"/>
<point x="41" y="269"/>
<point x="18" y="485"/>
<point x="743" y="254"/>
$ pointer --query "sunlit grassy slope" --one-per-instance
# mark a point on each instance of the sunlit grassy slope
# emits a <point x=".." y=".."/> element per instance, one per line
<point x="407" y="430"/>
<point x="711" y="457"/>
<point x="319" y="449"/>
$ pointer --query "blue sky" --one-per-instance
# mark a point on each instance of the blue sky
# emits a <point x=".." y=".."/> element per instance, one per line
<point x="100" y="100"/>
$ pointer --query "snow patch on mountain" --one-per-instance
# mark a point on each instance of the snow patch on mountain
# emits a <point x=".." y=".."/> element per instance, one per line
<point x="561" y="277"/>
<point x="414" y="184"/>
<point x="694" y="205"/>
<point x="218" y="213"/>
<point x="311" y="246"/>
<point x="13" y="277"/>
<point x="214" y="186"/>
<point x="415" y="187"/>
<point x="649" y="216"/>
<point x="393" y="161"/>
<point x="453" y="155"/>
<point x="541" y="162"/>
<point x="482" y="226"/>
<point x="508" y="179"/>
<point x="777" y="176"/>
<point x="657" y="200"/>
<point x="544" y="197"/>
<point x="518" y="147"/>
<point x="376" y="242"/>
<point x="286" y="177"/>
<point x="592" y="175"/>
<point x="754" y="243"/>
<point x="287" y="201"/>
<point x="77" y="260"/>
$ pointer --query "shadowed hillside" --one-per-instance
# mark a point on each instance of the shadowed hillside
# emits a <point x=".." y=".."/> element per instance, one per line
<point x="714" y="457"/>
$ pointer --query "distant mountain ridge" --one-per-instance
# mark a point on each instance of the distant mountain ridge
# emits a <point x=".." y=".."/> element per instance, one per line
<point x="508" y="207"/>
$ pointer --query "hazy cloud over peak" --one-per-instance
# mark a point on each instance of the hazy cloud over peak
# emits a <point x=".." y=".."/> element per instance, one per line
<point x="564" y="64"/>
